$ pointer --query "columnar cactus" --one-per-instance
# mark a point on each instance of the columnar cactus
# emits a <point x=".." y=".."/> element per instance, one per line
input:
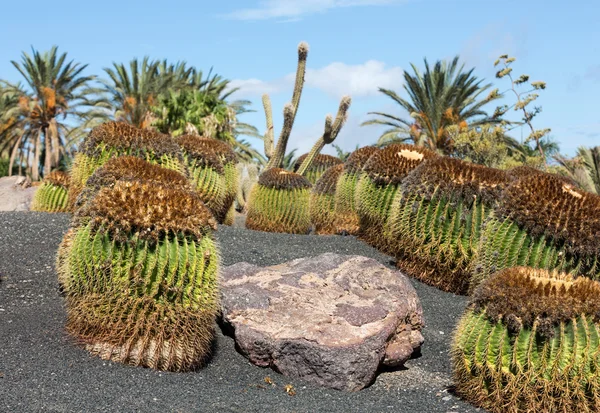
<point x="322" y="201"/>
<point x="545" y="222"/>
<point x="259" y="217"/>
<point x="317" y="168"/>
<point x="52" y="195"/>
<point x="113" y="139"/>
<point x="528" y="342"/>
<point x="382" y="175"/>
<point x="248" y="174"/>
<point x="141" y="284"/>
<point x="345" y="206"/>
<point x="279" y="202"/>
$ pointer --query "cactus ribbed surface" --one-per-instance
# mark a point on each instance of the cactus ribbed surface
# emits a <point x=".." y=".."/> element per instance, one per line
<point x="52" y="195"/>
<point x="436" y="219"/>
<point x="345" y="193"/>
<point x="322" y="201"/>
<point x="377" y="187"/>
<point x="529" y="342"/>
<point x="206" y="171"/>
<point x="318" y="166"/>
<point x="112" y="139"/>
<point x="140" y="275"/>
<point x="542" y="221"/>
<point x="279" y="202"/>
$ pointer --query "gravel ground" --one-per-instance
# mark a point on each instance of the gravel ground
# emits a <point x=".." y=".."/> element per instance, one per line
<point x="41" y="370"/>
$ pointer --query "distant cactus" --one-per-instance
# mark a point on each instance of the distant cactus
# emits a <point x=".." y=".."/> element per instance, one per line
<point x="436" y="220"/>
<point x="317" y="168"/>
<point x="52" y="195"/>
<point x="322" y="201"/>
<point x="528" y="342"/>
<point x="113" y="139"/>
<point x="279" y="202"/>
<point x="345" y="206"/>
<point x="293" y="199"/>
<point x="248" y="174"/>
<point x="142" y="285"/>
<point x="542" y="221"/>
<point x="383" y="174"/>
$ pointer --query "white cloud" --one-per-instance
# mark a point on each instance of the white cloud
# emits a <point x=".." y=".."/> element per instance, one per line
<point x="336" y="79"/>
<point x="286" y="9"/>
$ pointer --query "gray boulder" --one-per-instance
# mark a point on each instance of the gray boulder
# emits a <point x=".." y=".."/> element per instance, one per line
<point x="16" y="193"/>
<point x="332" y="320"/>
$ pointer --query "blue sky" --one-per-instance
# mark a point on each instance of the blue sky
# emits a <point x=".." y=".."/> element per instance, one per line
<point x="355" y="46"/>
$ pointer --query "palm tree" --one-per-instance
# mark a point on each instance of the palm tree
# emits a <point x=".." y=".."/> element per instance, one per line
<point x="56" y="96"/>
<point x="442" y="96"/>
<point x="584" y="168"/>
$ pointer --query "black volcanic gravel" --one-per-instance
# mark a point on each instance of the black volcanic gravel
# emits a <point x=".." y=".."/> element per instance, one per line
<point x="41" y="369"/>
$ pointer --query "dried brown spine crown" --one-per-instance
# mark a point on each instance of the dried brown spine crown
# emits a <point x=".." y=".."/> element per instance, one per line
<point x="390" y="165"/>
<point x="222" y="149"/>
<point x="527" y="294"/>
<point x="320" y="161"/>
<point x="58" y="178"/>
<point x="326" y="185"/>
<point x="545" y="204"/>
<point x="200" y="152"/>
<point x="456" y="179"/>
<point x="149" y="210"/>
<point x="357" y="159"/>
<point x="278" y="178"/>
<point x="124" y="136"/>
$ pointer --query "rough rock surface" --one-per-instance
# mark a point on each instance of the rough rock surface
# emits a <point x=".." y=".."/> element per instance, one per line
<point x="331" y="319"/>
<point x="15" y="193"/>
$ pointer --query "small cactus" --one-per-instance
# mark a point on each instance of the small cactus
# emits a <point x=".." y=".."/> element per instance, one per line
<point x="436" y="220"/>
<point x="113" y="139"/>
<point x="381" y="178"/>
<point x="141" y="286"/>
<point x="52" y="195"/>
<point x="528" y="342"/>
<point x="345" y="193"/>
<point x="322" y="201"/>
<point x="541" y="221"/>
<point x="279" y="202"/>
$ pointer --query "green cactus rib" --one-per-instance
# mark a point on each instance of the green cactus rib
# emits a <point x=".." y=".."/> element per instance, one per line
<point x="50" y="198"/>
<point x="322" y="213"/>
<point x="139" y="302"/>
<point x="506" y="244"/>
<point x="210" y="184"/>
<point x="345" y="206"/>
<point x="525" y="371"/>
<point x="84" y="165"/>
<point x="231" y="184"/>
<point x="279" y="210"/>
<point x="436" y="240"/>
<point x="373" y="204"/>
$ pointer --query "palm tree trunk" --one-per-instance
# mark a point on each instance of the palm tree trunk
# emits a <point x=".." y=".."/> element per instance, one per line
<point x="55" y="143"/>
<point x="48" y="147"/>
<point x="35" y="164"/>
<point x="13" y="155"/>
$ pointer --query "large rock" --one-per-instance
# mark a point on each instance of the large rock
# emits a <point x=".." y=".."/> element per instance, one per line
<point x="332" y="319"/>
<point x="16" y="193"/>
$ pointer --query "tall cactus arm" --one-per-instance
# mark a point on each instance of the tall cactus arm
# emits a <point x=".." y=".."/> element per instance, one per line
<point x="288" y="122"/>
<point x="281" y="147"/>
<point x="269" y="136"/>
<point x="329" y="134"/>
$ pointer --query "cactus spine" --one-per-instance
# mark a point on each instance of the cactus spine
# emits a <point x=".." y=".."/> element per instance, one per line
<point x="529" y="342"/>
<point x="322" y="201"/>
